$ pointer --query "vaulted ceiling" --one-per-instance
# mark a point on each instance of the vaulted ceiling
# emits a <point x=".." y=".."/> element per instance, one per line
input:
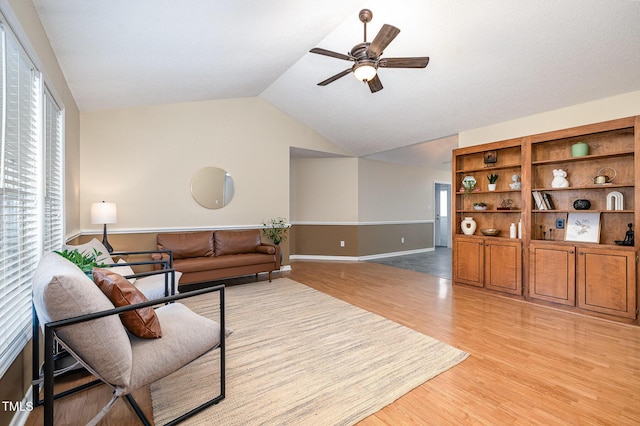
<point x="490" y="60"/>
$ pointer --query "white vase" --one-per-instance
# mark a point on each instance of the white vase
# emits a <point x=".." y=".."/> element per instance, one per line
<point x="468" y="226"/>
<point x="492" y="187"/>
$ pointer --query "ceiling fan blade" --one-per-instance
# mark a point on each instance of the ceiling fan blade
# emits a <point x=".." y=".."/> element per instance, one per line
<point x="417" y="62"/>
<point x="326" y="52"/>
<point x="335" y="77"/>
<point x="385" y="36"/>
<point x="375" y="84"/>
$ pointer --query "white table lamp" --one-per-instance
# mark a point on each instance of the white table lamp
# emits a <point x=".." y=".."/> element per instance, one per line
<point x="104" y="213"/>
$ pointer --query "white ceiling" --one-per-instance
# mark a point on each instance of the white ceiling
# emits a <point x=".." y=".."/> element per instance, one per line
<point x="491" y="60"/>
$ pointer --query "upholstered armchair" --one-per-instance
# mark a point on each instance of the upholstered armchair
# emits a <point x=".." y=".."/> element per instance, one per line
<point x="82" y="317"/>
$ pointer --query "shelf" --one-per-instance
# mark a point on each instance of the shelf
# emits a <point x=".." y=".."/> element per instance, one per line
<point x="582" y="158"/>
<point x="489" y="211"/>
<point x="582" y="211"/>
<point x="583" y="245"/>
<point x="577" y="188"/>
<point x="489" y="192"/>
<point x="489" y="169"/>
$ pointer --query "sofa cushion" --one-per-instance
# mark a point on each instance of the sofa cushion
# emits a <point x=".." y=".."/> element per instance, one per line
<point x="198" y="264"/>
<point x="185" y="245"/>
<point x="61" y="290"/>
<point x="140" y="322"/>
<point x="235" y="242"/>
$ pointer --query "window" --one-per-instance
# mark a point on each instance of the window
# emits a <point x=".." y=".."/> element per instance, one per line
<point x="31" y="188"/>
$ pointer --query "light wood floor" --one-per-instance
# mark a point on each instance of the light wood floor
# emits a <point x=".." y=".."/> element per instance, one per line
<point x="527" y="365"/>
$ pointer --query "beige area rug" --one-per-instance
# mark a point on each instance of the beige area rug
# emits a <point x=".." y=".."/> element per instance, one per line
<point x="300" y="357"/>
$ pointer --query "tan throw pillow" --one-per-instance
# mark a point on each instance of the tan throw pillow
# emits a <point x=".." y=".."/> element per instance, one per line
<point x="141" y="322"/>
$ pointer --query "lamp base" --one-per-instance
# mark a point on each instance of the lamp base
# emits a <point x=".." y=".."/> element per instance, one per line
<point x="105" y="243"/>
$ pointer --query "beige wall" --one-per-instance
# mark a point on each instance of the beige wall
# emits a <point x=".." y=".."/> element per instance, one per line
<point x="396" y="192"/>
<point x="23" y="20"/>
<point x="143" y="160"/>
<point x="324" y="190"/>
<point x="620" y="106"/>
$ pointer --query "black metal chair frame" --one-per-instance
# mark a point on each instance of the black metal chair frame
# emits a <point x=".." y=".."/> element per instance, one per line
<point x="50" y="357"/>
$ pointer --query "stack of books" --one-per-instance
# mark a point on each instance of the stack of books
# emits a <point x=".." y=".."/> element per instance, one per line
<point x="543" y="200"/>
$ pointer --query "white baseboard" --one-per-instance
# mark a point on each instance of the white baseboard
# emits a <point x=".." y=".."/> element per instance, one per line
<point x="358" y="258"/>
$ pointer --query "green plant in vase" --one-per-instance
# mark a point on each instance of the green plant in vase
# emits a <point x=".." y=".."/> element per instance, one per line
<point x="468" y="186"/>
<point x="276" y="230"/>
<point x="85" y="261"/>
<point x="492" y="181"/>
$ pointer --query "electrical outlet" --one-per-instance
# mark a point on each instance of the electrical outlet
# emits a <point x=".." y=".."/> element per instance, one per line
<point x="341" y="243"/>
<point x="402" y="240"/>
<point x="559" y="223"/>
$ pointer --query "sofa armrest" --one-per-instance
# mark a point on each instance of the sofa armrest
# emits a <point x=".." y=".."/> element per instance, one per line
<point x="270" y="249"/>
<point x="266" y="249"/>
<point x="162" y="255"/>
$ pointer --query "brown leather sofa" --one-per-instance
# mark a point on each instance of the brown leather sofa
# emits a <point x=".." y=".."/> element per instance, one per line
<point x="212" y="255"/>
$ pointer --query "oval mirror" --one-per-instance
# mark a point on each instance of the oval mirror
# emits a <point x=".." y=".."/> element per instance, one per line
<point x="212" y="187"/>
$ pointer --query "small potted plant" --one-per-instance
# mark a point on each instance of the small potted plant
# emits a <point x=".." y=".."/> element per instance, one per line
<point x="84" y="261"/>
<point x="276" y="231"/>
<point x="480" y="206"/>
<point x="492" y="181"/>
<point x="468" y="187"/>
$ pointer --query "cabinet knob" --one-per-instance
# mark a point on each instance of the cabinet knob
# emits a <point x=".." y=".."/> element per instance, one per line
<point x="571" y="252"/>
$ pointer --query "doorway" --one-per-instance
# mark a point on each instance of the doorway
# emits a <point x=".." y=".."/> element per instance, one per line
<point x="443" y="215"/>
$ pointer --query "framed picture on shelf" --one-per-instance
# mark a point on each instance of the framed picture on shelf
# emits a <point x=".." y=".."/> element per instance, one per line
<point x="583" y="227"/>
<point x="490" y="157"/>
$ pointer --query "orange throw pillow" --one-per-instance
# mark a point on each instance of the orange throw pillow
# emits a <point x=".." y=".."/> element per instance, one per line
<point x="141" y="322"/>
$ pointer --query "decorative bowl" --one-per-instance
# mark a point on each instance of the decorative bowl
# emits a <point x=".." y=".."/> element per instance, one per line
<point x="479" y="207"/>
<point x="582" y="204"/>
<point x="490" y="232"/>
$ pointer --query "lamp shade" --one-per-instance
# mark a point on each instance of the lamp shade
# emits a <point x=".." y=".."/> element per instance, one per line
<point x="365" y="71"/>
<point x="102" y="213"/>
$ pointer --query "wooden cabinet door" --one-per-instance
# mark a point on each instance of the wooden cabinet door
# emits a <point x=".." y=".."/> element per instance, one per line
<point x="607" y="281"/>
<point x="469" y="259"/>
<point x="503" y="266"/>
<point x="552" y="273"/>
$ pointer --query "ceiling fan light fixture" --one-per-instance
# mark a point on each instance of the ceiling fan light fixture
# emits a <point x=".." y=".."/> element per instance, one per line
<point x="365" y="71"/>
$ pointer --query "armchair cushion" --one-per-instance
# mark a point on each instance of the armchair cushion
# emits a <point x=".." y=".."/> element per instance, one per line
<point x="186" y="336"/>
<point x="123" y="270"/>
<point x="153" y="286"/>
<point x="141" y="322"/>
<point x="60" y="291"/>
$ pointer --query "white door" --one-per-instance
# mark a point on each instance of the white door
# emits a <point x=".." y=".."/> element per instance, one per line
<point x="443" y="208"/>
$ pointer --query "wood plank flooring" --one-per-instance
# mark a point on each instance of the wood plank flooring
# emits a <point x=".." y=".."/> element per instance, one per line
<point x="528" y="364"/>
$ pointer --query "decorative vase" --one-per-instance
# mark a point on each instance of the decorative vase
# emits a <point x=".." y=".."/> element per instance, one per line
<point x="468" y="226"/>
<point x="579" y="149"/>
<point x="492" y="187"/>
<point x="582" y="204"/>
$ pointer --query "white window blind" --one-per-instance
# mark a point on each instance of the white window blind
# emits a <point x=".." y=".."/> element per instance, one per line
<point x="21" y="194"/>
<point x="53" y="175"/>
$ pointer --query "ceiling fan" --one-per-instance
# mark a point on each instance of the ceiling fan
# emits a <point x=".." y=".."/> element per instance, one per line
<point x="366" y="56"/>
